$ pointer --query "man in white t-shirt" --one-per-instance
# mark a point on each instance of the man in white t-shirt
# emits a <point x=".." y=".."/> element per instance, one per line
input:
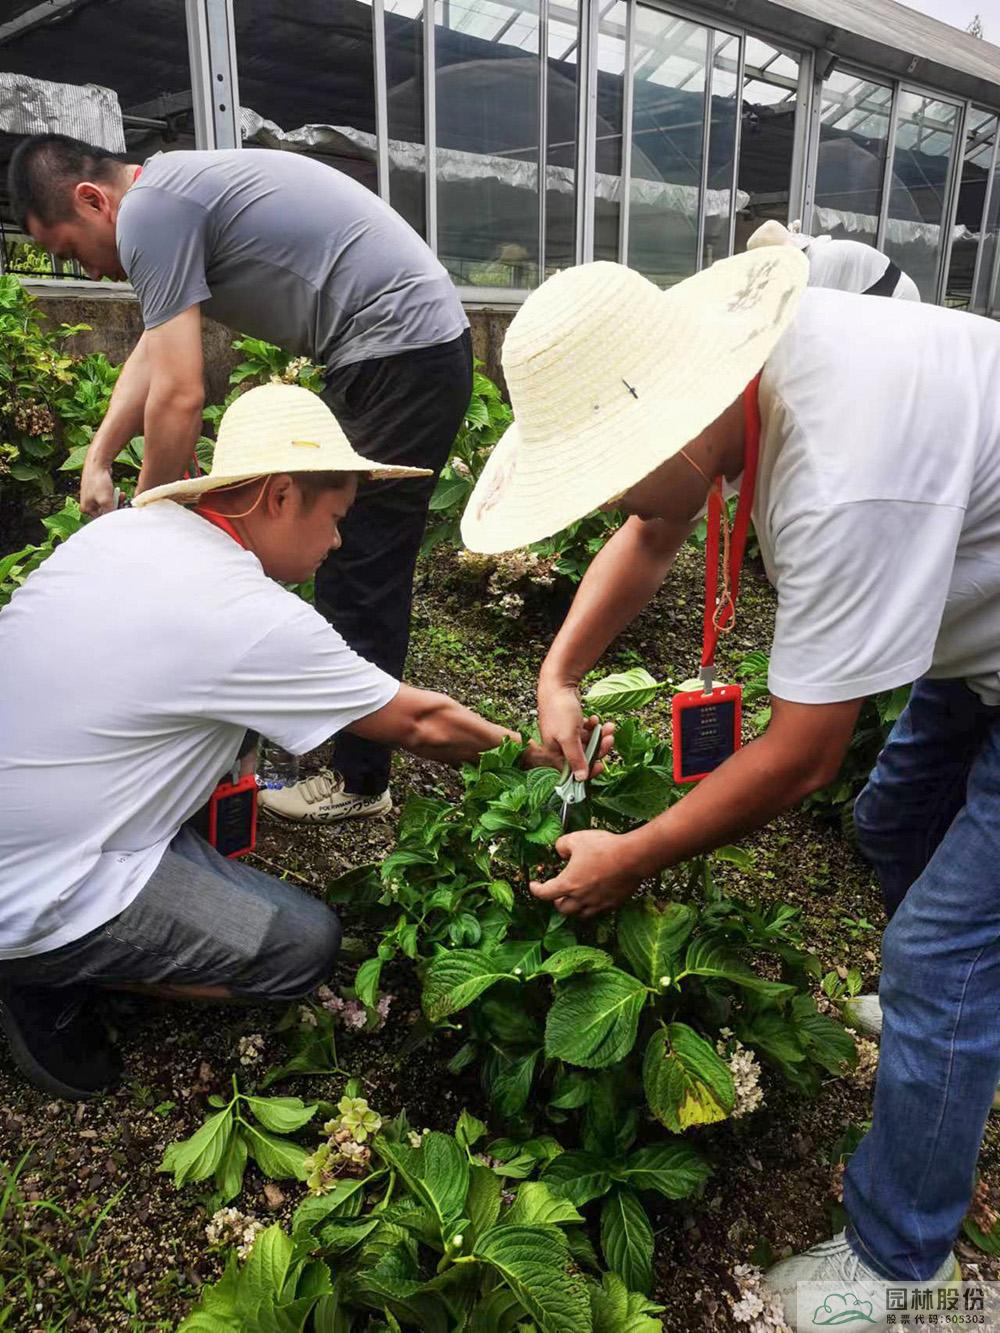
<point x="846" y="265"/>
<point x="877" y="509"/>
<point x="135" y="660"/>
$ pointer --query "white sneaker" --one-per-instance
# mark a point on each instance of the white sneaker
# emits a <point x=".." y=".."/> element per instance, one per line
<point x="321" y="800"/>
<point x="864" y="1013"/>
<point x="843" y="1289"/>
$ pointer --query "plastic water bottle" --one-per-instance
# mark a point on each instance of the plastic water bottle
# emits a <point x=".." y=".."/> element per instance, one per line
<point x="276" y="767"/>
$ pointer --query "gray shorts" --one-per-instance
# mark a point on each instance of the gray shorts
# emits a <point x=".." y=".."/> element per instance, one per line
<point x="200" y="920"/>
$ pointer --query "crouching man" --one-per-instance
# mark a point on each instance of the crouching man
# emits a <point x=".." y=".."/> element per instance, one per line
<point x="135" y="661"/>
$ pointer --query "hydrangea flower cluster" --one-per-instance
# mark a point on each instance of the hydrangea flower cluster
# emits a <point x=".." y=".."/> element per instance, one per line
<point x="345" y="1152"/>
<point x="228" y="1226"/>
<point x="351" y="1013"/>
<point x="745" y="1070"/>
<point x="981" y="1211"/>
<point x="291" y="373"/>
<point x="754" y="1305"/>
<point x="251" y="1049"/>
<point x="864" y="1071"/>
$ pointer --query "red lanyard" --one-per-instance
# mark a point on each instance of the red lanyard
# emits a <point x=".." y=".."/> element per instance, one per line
<point x="222" y="522"/>
<point x="720" y="616"/>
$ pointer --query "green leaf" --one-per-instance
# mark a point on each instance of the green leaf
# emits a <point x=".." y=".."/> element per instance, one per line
<point x="622" y="692"/>
<point x="469" y="1130"/>
<point x="198" y="1157"/>
<point x="686" y="1081"/>
<point x="437" y="1172"/>
<point x="536" y="1204"/>
<point x="502" y="894"/>
<point x="281" y="1159"/>
<point x="499" y="1312"/>
<point x="229" y="1172"/>
<point x="343" y="1201"/>
<point x="576" y="958"/>
<point x="265" y="1270"/>
<point x="827" y="1041"/>
<point x="618" y="1310"/>
<point x="482" y="1203"/>
<point x="651" y="936"/>
<point x="674" y="1170"/>
<point x="532" y="1261"/>
<point x="282" y="1114"/>
<point x="707" y="958"/>
<point x="578" y="1177"/>
<point x="360" y="887"/>
<point x="366" y="981"/>
<point x="508" y="1081"/>
<point x="593" y="1019"/>
<point x="627" y="1239"/>
<point x="987" y="1241"/>
<point x="640" y="794"/>
<point x="453" y="980"/>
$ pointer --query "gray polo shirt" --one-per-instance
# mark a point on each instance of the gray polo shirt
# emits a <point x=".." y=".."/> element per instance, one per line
<point x="283" y="248"/>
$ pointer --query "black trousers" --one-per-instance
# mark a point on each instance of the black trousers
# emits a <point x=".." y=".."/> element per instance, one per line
<point x="401" y="409"/>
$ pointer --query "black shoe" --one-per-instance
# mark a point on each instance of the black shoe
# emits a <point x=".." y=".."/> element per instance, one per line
<point x="57" y="1041"/>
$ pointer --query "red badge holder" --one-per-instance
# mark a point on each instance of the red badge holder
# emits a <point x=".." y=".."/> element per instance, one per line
<point x="232" y="817"/>
<point x="707" y="722"/>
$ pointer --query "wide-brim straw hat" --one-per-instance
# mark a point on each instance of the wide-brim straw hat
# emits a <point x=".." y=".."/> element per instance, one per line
<point x="276" y="428"/>
<point x="609" y="377"/>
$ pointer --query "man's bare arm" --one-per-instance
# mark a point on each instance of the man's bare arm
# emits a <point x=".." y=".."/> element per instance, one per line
<point x="122" y="420"/>
<point x="172" y="419"/>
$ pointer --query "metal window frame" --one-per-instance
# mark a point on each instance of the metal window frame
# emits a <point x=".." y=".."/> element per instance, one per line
<point x="211" y="33"/>
<point x="381" y="98"/>
<point x="586" y="130"/>
<point x="628" y="129"/>
<point x="706" y="136"/>
<point x="741" y="61"/>
<point x="987" y="197"/>
<point x="950" y="210"/>
<point x="430" y="127"/>
<point x="543" y="131"/>
<point x="890" y="158"/>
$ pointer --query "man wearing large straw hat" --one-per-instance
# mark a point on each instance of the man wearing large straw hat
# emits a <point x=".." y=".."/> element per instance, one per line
<point x="188" y="641"/>
<point x="877" y="509"/>
<point x="285" y="248"/>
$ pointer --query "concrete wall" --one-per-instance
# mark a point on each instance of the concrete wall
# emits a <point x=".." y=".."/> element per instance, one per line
<point x="116" y="327"/>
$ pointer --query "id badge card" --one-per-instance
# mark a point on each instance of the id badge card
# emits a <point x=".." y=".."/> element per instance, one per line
<point x="706" y="729"/>
<point x="232" y="817"/>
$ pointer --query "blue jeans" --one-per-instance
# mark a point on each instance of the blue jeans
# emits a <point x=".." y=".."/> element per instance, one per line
<point x="929" y="822"/>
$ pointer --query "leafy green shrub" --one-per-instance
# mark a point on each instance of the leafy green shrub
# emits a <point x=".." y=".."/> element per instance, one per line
<point x="15" y="567"/>
<point x="625" y="1034"/>
<point x="435" y="1236"/>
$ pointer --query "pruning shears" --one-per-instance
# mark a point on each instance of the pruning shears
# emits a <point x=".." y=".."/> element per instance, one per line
<point x="570" y="791"/>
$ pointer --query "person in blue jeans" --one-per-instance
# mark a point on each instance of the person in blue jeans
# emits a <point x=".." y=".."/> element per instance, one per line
<point x="877" y="510"/>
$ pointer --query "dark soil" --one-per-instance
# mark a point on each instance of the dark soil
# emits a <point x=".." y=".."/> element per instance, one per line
<point x="771" y="1191"/>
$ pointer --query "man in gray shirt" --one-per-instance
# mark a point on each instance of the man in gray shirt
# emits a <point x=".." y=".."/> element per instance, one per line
<point x="289" y="250"/>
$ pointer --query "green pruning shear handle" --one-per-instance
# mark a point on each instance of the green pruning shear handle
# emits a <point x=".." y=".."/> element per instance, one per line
<point x="570" y="791"/>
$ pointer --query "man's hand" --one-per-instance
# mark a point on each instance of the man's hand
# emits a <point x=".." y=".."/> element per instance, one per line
<point x="595" y="877"/>
<point x="561" y="724"/>
<point x="97" y="492"/>
<point x="549" y="754"/>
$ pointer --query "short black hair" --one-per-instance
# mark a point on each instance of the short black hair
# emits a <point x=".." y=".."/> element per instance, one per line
<point x="45" y="167"/>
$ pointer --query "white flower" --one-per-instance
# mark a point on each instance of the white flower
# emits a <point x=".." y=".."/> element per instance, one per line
<point x="353" y="1014"/>
<point x="228" y="1226"/>
<point x="251" y="1049"/>
<point x="755" y="1306"/>
<point x="460" y="467"/>
<point x="745" y="1070"/>
<point x="307" y="1017"/>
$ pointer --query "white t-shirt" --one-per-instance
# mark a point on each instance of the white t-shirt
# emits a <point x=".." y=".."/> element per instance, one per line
<point x="134" y="660"/>
<point x="878" y="497"/>
<point x="850" y="266"/>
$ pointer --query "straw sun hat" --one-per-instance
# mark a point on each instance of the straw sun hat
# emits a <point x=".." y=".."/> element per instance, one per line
<point x="609" y="377"/>
<point x="275" y="428"/>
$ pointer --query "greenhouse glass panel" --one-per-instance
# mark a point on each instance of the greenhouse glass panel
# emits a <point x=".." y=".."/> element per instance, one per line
<point x="487" y="75"/>
<point x="914" y="236"/>
<point x="850" y="168"/>
<point x="609" y="144"/>
<point x="327" y="111"/>
<point x="404" y="60"/>
<point x="669" y="63"/>
<point x="560" y="171"/>
<point x="721" y="147"/>
<point x="769" y="110"/>
<point x="985" y="298"/>
<point x="977" y="159"/>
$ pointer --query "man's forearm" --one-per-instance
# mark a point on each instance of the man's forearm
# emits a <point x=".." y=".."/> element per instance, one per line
<point x="124" y="417"/>
<point x="452" y="734"/>
<point x="172" y="427"/>
<point x="619" y="583"/>
<point x="757" y="783"/>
